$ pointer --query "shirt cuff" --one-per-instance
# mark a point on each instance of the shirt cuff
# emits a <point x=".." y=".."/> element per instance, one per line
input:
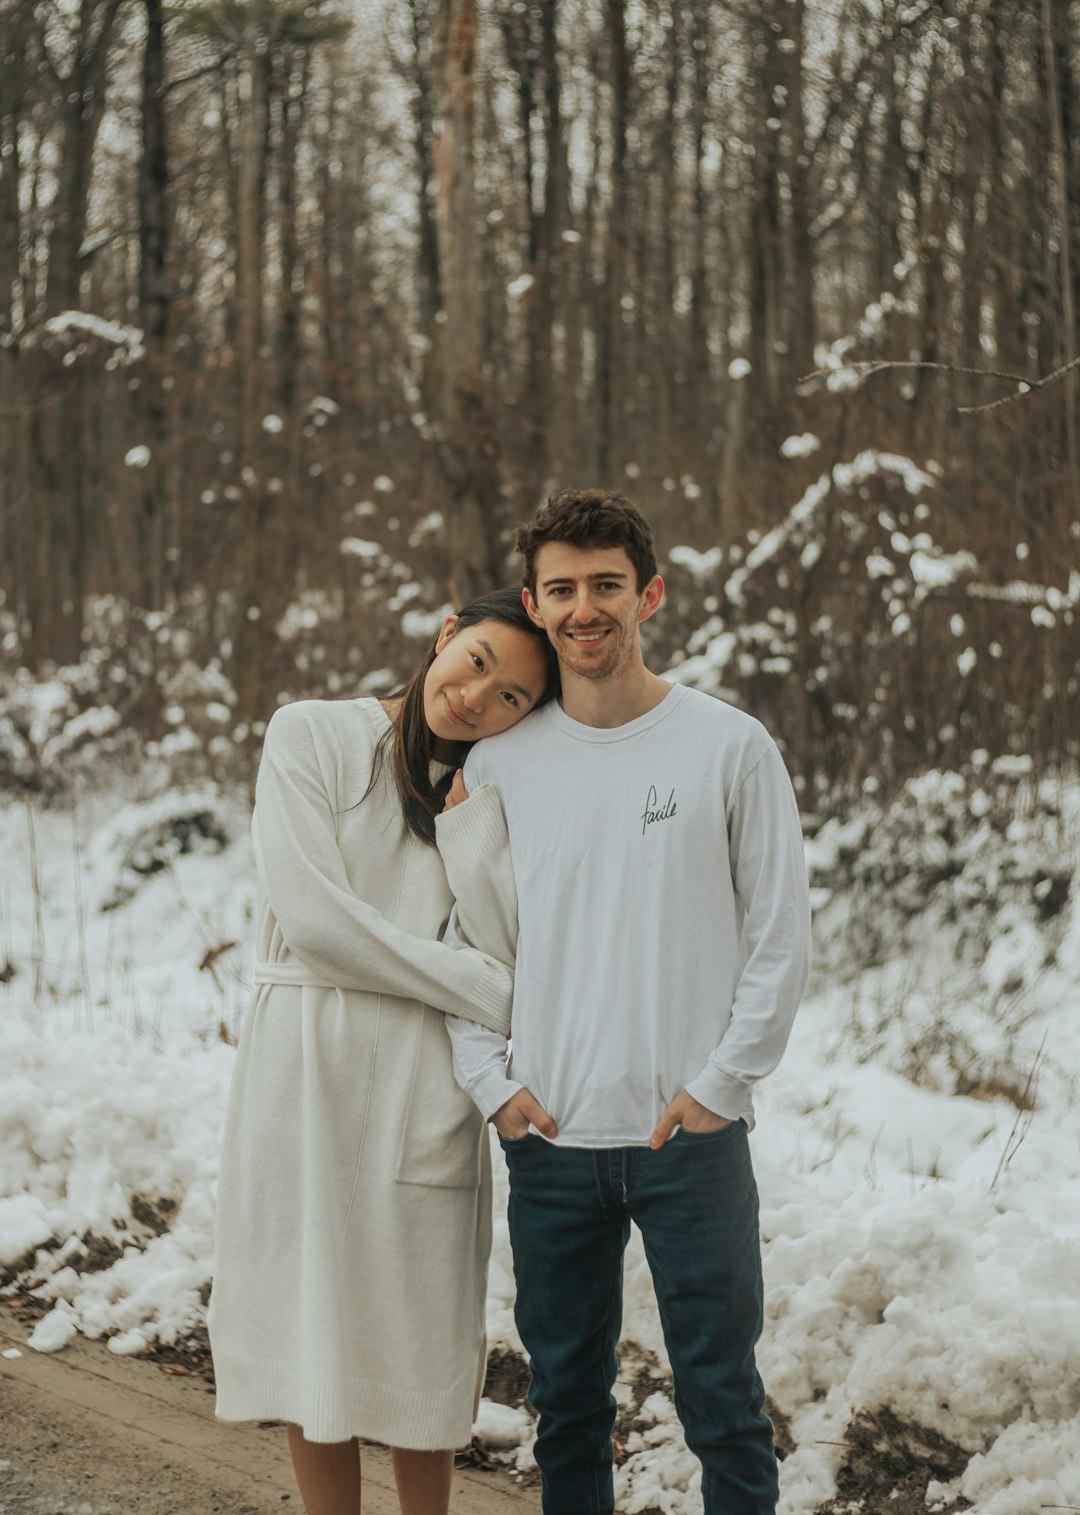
<point x="723" y="1094"/>
<point x="490" y="1090"/>
<point x="474" y="830"/>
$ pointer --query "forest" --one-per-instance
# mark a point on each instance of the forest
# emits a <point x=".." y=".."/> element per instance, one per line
<point x="304" y="305"/>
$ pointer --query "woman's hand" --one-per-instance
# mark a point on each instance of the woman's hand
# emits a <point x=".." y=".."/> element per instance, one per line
<point x="457" y="793"/>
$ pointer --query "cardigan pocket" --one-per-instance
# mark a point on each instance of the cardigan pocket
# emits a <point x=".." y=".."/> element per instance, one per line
<point x="443" y="1129"/>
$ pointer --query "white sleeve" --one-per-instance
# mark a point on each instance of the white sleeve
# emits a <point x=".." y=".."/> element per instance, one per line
<point x="475" y="849"/>
<point x="769" y="873"/>
<point x="338" y="936"/>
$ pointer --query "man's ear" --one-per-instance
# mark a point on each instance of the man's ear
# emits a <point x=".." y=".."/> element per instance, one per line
<point x="531" y="608"/>
<point x="449" y="626"/>
<point x="650" y="600"/>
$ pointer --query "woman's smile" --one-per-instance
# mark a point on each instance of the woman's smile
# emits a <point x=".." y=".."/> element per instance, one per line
<point x="457" y="716"/>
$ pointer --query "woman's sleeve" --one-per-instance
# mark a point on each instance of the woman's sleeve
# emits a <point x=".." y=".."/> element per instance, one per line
<point x="475" y="849"/>
<point x="337" y="936"/>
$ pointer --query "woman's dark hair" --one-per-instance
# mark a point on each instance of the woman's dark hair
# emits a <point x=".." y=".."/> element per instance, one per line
<point x="409" y="745"/>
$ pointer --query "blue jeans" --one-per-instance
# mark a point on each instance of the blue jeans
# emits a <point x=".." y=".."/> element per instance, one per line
<point x="695" y="1203"/>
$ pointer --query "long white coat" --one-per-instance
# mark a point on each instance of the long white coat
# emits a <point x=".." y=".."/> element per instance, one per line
<point x="354" y="1199"/>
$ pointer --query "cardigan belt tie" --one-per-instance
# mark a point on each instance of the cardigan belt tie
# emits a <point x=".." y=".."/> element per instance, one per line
<point x="294" y="973"/>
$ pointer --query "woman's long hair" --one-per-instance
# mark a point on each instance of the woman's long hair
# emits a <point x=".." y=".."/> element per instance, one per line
<point x="409" y="746"/>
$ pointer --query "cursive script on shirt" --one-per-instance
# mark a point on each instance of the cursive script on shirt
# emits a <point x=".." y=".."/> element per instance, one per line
<point x="654" y="811"/>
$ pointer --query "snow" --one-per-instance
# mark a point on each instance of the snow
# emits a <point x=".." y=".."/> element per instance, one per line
<point x="920" y="1243"/>
<point x="934" y="571"/>
<point x="768" y="546"/>
<point x="800" y="446"/>
<point x="356" y="547"/>
<point x="53" y="1331"/>
<point x="701" y="565"/>
<point x="82" y="324"/>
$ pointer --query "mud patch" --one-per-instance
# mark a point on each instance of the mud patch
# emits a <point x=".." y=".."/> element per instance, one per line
<point x="155" y="1215"/>
<point x="507" y="1381"/>
<point x="188" y="1358"/>
<point x="100" y="1253"/>
<point x="889" y="1464"/>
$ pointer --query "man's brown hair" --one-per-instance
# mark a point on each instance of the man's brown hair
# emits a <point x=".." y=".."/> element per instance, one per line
<point x="588" y="518"/>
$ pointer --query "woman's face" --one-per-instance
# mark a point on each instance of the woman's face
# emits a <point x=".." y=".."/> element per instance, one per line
<point x="483" y="679"/>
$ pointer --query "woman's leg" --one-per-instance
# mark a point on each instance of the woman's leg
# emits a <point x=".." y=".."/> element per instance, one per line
<point x="423" y="1480"/>
<point x="328" y="1474"/>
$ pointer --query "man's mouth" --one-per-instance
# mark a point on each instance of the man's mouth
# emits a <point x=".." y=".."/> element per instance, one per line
<point x="587" y="638"/>
<point x="457" y="716"/>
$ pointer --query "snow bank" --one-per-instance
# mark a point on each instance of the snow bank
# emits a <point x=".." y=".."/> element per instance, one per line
<point x="100" y="1135"/>
<point x="919" y="1243"/>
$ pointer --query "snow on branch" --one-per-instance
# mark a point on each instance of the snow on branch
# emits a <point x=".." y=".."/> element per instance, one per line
<point x="846" y="476"/>
<point x="126" y="341"/>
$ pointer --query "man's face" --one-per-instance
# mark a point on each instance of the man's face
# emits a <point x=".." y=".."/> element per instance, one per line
<point x="587" y="600"/>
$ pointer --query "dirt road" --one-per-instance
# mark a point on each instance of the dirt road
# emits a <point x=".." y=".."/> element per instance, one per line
<point x="88" y="1433"/>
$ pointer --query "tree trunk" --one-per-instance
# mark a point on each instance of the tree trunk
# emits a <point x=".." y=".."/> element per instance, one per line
<point x="609" y="339"/>
<point x="427" y="250"/>
<point x="801" y="324"/>
<point x="470" y="453"/>
<point x="15" y="74"/>
<point x="293" y="107"/>
<point x="60" y="476"/>
<point x="154" y="311"/>
<point x="1060" y="183"/>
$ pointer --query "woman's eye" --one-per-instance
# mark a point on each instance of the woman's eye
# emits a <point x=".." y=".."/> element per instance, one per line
<point x="478" y="663"/>
<point x="511" y="699"/>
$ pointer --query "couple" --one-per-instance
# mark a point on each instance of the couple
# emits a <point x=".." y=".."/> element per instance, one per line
<point x="628" y="874"/>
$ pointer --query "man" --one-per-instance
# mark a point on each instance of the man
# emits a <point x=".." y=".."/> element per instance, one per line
<point x="663" y="946"/>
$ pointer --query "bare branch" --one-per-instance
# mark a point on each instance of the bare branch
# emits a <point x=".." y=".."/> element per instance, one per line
<point x="1029" y="385"/>
<point x="199" y="73"/>
<point x="1025" y="386"/>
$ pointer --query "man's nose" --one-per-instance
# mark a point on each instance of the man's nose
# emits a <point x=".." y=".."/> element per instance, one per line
<point x="584" y="610"/>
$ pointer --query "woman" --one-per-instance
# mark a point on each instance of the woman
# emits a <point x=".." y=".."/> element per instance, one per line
<point x="354" y="1197"/>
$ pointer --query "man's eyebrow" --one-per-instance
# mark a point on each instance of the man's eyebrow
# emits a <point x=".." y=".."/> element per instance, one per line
<point x="603" y="573"/>
<point x="525" y="693"/>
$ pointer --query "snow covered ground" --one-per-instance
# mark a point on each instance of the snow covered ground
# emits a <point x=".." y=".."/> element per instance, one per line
<point x="922" y="1245"/>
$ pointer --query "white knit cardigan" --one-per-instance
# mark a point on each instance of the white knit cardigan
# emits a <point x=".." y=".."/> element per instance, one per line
<point x="354" y="1197"/>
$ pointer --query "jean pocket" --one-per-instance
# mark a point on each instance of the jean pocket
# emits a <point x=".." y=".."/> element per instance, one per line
<point x="709" y="1136"/>
<point x="518" y="1141"/>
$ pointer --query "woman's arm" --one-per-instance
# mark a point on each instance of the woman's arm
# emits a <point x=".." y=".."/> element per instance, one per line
<point x="475" y="848"/>
<point x="339" y="937"/>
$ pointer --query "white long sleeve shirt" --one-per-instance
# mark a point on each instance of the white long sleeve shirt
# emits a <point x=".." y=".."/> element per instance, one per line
<point x="663" y="914"/>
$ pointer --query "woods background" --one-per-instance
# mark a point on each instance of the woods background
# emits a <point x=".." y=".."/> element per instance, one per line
<point x="304" y="305"/>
